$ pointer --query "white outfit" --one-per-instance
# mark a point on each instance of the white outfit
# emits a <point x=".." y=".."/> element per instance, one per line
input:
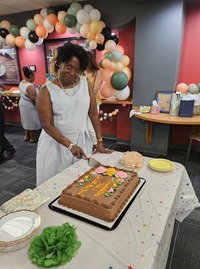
<point x="91" y="130"/>
<point x="70" y="115"/>
<point x="28" y="112"/>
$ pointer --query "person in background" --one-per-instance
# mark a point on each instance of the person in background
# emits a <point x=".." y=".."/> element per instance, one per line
<point x="29" y="117"/>
<point x="6" y="149"/>
<point x="93" y="73"/>
<point x="63" y="106"/>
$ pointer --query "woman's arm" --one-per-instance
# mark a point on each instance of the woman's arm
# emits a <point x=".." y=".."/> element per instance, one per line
<point x="45" y="113"/>
<point x="32" y="92"/>
<point x="98" y="81"/>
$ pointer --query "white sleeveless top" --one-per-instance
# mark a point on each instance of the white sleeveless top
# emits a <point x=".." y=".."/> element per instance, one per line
<point x="70" y="117"/>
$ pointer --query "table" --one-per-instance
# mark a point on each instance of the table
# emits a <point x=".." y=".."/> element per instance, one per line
<point x="141" y="240"/>
<point x="165" y="118"/>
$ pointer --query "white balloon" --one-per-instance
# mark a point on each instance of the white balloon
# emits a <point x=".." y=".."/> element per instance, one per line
<point x="24" y="31"/>
<point x="29" y="45"/>
<point x="47" y="25"/>
<point x="95" y="15"/>
<point x="88" y="8"/>
<point x="72" y="30"/>
<point x="82" y="17"/>
<point x="123" y="94"/>
<point x="43" y="12"/>
<point x="40" y="41"/>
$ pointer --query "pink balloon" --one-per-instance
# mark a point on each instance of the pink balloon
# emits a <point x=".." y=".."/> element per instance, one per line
<point x="106" y="74"/>
<point x="106" y="90"/>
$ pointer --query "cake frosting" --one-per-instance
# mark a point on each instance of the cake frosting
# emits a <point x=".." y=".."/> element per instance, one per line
<point x="101" y="192"/>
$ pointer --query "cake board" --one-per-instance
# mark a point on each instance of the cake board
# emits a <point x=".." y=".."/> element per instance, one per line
<point x="54" y="205"/>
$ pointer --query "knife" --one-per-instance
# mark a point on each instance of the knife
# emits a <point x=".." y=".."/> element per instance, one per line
<point x="93" y="163"/>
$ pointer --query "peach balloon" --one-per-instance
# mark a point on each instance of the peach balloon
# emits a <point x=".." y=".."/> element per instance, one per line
<point x="60" y="27"/>
<point x="38" y="19"/>
<point x="119" y="66"/>
<point x="99" y="38"/>
<point x="128" y="72"/>
<point x="10" y="40"/>
<point x="106" y="74"/>
<point x="61" y="15"/>
<point x="84" y="29"/>
<point x="92" y="44"/>
<point x="125" y="60"/>
<point x="52" y="18"/>
<point x="41" y="31"/>
<point x="106" y="90"/>
<point x="106" y="63"/>
<point x="182" y="87"/>
<point x="20" y="41"/>
<point x="90" y="35"/>
<point x="112" y="66"/>
<point x="5" y="24"/>
<point x="110" y="45"/>
<point x="120" y="48"/>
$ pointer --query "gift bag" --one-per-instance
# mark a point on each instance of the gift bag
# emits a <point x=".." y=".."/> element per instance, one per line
<point x="175" y="104"/>
<point x="196" y="109"/>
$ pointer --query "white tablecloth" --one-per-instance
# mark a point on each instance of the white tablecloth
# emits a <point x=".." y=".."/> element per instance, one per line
<point x="142" y="239"/>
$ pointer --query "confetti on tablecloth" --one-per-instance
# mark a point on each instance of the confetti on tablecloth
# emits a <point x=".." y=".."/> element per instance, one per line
<point x="26" y="200"/>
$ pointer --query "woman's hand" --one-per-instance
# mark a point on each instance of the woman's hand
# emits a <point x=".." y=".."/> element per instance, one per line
<point x="78" y="152"/>
<point x="100" y="148"/>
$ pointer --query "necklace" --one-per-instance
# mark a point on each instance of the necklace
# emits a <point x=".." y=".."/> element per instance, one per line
<point x="69" y="92"/>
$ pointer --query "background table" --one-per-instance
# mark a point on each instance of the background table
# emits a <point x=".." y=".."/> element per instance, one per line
<point x="165" y="118"/>
<point x="141" y="240"/>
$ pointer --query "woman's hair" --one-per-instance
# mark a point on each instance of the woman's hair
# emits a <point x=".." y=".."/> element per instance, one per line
<point x="69" y="50"/>
<point x="27" y="72"/>
<point x="93" y="66"/>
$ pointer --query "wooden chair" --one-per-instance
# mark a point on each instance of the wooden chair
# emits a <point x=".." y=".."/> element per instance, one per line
<point x="193" y="136"/>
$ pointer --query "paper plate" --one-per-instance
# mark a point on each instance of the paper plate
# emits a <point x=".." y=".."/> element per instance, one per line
<point x="161" y="165"/>
<point x="17" y="229"/>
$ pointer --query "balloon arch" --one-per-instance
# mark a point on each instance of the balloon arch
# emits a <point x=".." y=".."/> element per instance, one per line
<point x="87" y="21"/>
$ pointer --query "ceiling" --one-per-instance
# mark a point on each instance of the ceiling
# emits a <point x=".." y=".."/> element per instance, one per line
<point x="8" y="7"/>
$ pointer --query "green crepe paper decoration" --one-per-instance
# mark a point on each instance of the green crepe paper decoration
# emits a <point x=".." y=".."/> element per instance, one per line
<point x="56" y="245"/>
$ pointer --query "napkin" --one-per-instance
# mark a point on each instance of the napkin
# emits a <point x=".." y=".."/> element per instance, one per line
<point x="26" y="200"/>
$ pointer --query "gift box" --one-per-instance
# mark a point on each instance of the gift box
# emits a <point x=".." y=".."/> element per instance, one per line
<point x="186" y="108"/>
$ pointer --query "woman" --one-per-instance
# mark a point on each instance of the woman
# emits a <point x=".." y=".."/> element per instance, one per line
<point x="93" y="73"/>
<point x="29" y="117"/>
<point x="63" y="105"/>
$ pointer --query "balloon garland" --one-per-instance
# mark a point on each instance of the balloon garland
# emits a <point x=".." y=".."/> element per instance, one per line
<point x="105" y="116"/>
<point x="87" y="21"/>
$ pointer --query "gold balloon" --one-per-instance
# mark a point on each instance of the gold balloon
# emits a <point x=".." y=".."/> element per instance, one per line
<point x="128" y="72"/>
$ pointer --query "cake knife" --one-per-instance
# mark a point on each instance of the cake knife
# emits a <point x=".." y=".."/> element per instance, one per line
<point x="93" y="163"/>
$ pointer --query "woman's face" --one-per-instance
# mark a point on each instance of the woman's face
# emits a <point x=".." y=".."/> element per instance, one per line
<point x="70" y="71"/>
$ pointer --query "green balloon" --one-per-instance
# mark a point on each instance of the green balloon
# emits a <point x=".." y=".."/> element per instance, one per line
<point x="87" y="42"/>
<point x="193" y="88"/>
<point x="119" y="80"/>
<point x="14" y="30"/>
<point x="51" y="10"/>
<point x="109" y="55"/>
<point x="69" y="20"/>
<point x="74" y="8"/>
<point x="117" y="56"/>
<point x="31" y="24"/>
<point x="101" y="65"/>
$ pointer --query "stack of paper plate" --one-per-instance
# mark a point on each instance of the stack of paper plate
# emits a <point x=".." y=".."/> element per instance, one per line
<point x="17" y="229"/>
<point x="161" y="165"/>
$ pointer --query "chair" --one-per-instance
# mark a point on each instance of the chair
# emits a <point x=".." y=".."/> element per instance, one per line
<point x="193" y="136"/>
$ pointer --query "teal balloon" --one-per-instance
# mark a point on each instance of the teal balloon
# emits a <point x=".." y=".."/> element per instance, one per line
<point x="193" y="89"/>
<point x="74" y="8"/>
<point x="31" y="24"/>
<point x="78" y="26"/>
<point x="198" y="85"/>
<point x="117" y="56"/>
<point x="14" y="30"/>
<point x="70" y="20"/>
<point x="87" y="42"/>
<point x="51" y="10"/>
<point x="119" y="80"/>
<point x="101" y="65"/>
<point x="109" y="55"/>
